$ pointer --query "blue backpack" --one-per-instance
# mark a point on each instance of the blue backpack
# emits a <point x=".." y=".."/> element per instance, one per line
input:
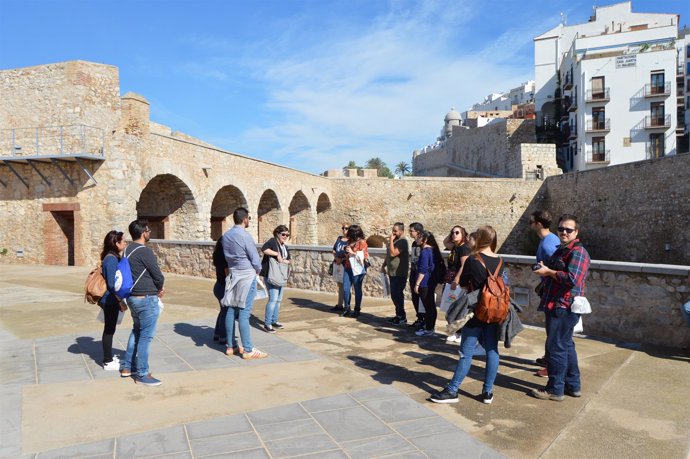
<point x="124" y="283"/>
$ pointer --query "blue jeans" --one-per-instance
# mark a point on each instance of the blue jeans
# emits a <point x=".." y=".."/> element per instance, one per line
<point x="398" y="294"/>
<point x="350" y="280"/>
<point x="241" y="315"/>
<point x="487" y="336"/>
<point x="560" y="351"/>
<point x="275" y="296"/>
<point x="145" y="312"/>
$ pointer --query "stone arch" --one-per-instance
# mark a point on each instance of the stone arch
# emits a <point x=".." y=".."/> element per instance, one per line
<point x="226" y="200"/>
<point x="269" y="215"/>
<point x="326" y="226"/>
<point x="169" y="205"/>
<point x="301" y="221"/>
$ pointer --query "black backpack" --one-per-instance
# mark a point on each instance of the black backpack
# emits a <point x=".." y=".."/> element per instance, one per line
<point x="439" y="274"/>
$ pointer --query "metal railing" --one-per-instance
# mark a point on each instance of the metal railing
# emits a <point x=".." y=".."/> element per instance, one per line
<point x="598" y="156"/>
<point x="599" y="95"/>
<point x="77" y="139"/>
<point x="654" y="90"/>
<point x="568" y="80"/>
<point x="598" y="126"/>
<point x="657" y="122"/>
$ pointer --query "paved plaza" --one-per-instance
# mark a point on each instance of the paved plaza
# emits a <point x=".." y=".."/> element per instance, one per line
<point x="331" y="387"/>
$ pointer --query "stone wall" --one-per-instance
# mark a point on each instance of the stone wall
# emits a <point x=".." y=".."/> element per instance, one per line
<point x="632" y="302"/>
<point x="630" y="211"/>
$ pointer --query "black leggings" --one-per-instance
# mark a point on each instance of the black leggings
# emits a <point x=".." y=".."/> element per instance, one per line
<point x="110" y="313"/>
<point x="415" y="297"/>
<point x="427" y="296"/>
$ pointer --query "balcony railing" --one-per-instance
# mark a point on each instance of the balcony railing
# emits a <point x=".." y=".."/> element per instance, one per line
<point x="654" y="90"/>
<point x="657" y="122"/>
<point x="50" y="141"/>
<point x="598" y="156"/>
<point x="599" y="95"/>
<point x="654" y="150"/>
<point x="598" y="126"/>
<point x="573" y="133"/>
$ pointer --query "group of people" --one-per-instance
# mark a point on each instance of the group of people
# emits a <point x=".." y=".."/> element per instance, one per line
<point x="235" y="252"/>
<point x="562" y="264"/>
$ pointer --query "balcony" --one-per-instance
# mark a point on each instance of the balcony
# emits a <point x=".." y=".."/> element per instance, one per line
<point x="599" y="95"/>
<point x="568" y="80"/>
<point x="657" y="122"/>
<point x="598" y="126"/>
<point x="653" y="90"/>
<point x="573" y="133"/>
<point x="573" y="106"/>
<point x="598" y="156"/>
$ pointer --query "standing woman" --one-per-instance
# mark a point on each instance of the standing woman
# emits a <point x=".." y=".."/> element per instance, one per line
<point x="113" y="245"/>
<point x="339" y="259"/>
<point x="274" y="248"/>
<point x="357" y="247"/>
<point x="221" y="266"/>
<point x="430" y="260"/>
<point x="474" y="275"/>
<point x="459" y="252"/>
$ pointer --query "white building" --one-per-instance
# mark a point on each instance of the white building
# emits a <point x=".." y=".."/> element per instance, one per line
<point x="684" y="80"/>
<point x="610" y="85"/>
<point x="504" y="101"/>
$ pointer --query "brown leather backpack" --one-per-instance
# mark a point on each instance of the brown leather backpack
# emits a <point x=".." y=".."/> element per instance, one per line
<point x="95" y="286"/>
<point x="494" y="297"/>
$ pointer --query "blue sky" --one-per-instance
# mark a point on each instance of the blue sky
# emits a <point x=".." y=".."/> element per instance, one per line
<point x="309" y="84"/>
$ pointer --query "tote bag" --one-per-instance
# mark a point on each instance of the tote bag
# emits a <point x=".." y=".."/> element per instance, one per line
<point x="278" y="272"/>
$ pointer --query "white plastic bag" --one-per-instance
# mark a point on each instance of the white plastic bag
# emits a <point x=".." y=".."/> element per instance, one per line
<point x="357" y="263"/>
<point x="449" y="296"/>
<point x="385" y="281"/>
<point x="422" y="309"/>
<point x="581" y="305"/>
<point x="101" y="317"/>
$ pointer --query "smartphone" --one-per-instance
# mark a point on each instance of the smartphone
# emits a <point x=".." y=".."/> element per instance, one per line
<point x="536" y="267"/>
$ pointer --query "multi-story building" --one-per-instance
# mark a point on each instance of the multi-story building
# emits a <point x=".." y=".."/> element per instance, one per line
<point x="512" y="104"/>
<point x="609" y="85"/>
<point x="683" y="91"/>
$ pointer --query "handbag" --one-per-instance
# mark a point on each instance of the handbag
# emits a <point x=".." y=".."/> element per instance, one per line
<point x="278" y="272"/>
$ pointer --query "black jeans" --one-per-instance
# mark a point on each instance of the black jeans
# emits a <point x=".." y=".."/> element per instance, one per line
<point x="110" y="313"/>
<point x="398" y="295"/>
<point x="415" y="297"/>
<point x="429" y="302"/>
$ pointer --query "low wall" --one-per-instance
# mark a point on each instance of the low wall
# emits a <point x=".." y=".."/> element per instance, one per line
<point x="633" y="302"/>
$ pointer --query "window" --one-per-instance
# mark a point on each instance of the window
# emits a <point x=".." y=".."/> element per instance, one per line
<point x="656" y="146"/>
<point x="657" y="82"/>
<point x="657" y="113"/>
<point x="687" y="48"/>
<point x="598" y="118"/>
<point x="598" y="88"/>
<point x="598" y="149"/>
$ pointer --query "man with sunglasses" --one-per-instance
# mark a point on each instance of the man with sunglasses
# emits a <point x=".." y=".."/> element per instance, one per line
<point x="564" y="278"/>
<point x="397" y="263"/>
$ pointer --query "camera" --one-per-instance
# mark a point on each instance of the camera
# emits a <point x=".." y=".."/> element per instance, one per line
<point x="536" y="267"/>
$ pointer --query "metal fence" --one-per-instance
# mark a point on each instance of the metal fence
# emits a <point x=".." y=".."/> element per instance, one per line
<point x="75" y="139"/>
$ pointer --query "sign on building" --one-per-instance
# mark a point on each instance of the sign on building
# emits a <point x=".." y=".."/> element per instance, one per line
<point x="629" y="60"/>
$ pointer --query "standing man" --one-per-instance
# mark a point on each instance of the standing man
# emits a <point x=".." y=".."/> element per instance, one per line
<point x="244" y="265"/>
<point x="414" y="230"/>
<point x="565" y="274"/>
<point x="540" y="222"/>
<point x="143" y="303"/>
<point x="397" y="263"/>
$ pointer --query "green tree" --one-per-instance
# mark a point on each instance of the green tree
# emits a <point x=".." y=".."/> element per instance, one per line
<point x="402" y="168"/>
<point x="382" y="169"/>
<point x="352" y="165"/>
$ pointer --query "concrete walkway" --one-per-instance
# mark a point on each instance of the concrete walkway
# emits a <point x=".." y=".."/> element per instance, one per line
<point x="332" y="387"/>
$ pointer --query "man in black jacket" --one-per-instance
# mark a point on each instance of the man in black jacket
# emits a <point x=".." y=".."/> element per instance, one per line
<point x="144" y="303"/>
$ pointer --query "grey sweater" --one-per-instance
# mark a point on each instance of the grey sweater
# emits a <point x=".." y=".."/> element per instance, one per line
<point x="144" y="259"/>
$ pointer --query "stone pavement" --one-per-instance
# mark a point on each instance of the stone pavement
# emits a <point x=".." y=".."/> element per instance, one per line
<point x="332" y="387"/>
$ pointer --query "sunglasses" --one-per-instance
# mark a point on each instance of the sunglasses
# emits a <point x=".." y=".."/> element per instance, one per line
<point x="562" y="229"/>
<point x="345" y="228"/>
<point x="456" y="232"/>
<point x="285" y="234"/>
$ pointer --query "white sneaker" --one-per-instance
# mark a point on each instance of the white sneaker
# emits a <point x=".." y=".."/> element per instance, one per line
<point x="453" y="338"/>
<point x="112" y="366"/>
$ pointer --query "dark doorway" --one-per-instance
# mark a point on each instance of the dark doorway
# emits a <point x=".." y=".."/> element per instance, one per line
<point x="64" y="239"/>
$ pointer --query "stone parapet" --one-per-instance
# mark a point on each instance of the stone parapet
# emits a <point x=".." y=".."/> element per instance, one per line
<point x="633" y="302"/>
